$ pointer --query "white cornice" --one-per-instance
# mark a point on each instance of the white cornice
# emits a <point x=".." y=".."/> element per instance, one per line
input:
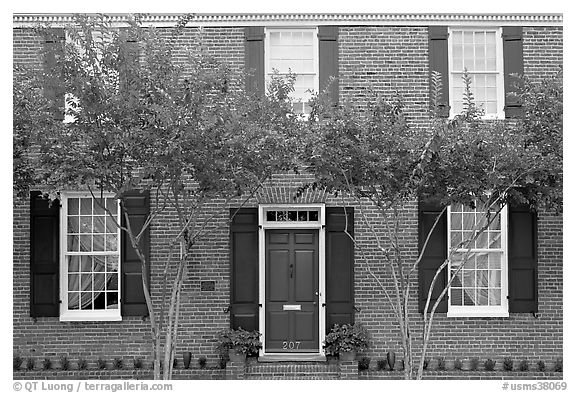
<point x="405" y="19"/>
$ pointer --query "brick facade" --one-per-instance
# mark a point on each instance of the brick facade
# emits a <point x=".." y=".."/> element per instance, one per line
<point x="387" y="59"/>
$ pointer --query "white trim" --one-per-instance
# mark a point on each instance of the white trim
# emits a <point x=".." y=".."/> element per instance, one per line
<point x="304" y="19"/>
<point x="484" y="311"/>
<point x="500" y="98"/>
<point x="320" y="226"/>
<point x="84" y="315"/>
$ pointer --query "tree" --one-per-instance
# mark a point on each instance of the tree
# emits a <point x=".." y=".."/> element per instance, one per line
<point x="373" y="155"/>
<point x="188" y="132"/>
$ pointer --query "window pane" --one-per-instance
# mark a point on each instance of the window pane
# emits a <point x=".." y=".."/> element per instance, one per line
<point x="85" y="224"/>
<point x="292" y="215"/>
<point x="456" y="221"/>
<point x="85" y="206"/>
<point x="313" y="216"/>
<point x="73" y="224"/>
<point x="495" y="297"/>
<point x="495" y="260"/>
<point x="98" y="243"/>
<point x="73" y="206"/>
<point x="495" y="279"/>
<point x="73" y="244"/>
<point x="73" y="301"/>
<point x="73" y="282"/>
<point x="112" y="300"/>
<point x="112" y="206"/>
<point x="271" y="215"/>
<point x="86" y="243"/>
<point x="469" y="278"/>
<point x="302" y="215"/>
<point x="99" y="224"/>
<point x="112" y="283"/>
<point x="482" y="297"/>
<point x="469" y="296"/>
<point x="456" y="297"/>
<point x="98" y="208"/>
<point x="111" y="225"/>
<point x="482" y="240"/>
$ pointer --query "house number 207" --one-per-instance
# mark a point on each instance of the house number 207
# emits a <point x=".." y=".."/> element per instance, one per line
<point x="290" y="344"/>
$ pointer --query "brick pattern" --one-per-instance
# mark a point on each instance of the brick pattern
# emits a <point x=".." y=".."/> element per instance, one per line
<point x="543" y="51"/>
<point x="387" y="59"/>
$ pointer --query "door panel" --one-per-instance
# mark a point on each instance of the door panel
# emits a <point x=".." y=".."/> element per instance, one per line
<point x="291" y="291"/>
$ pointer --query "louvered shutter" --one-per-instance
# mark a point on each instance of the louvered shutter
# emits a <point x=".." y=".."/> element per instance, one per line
<point x="244" y="304"/>
<point x="254" y="59"/>
<point x="438" y="61"/>
<point x="435" y="254"/>
<point x="53" y="88"/>
<point x="328" y="59"/>
<point x="44" y="256"/>
<point x="522" y="260"/>
<point x="339" y="267"/>
<point x="513" y="64"/>
<point x="133" y="302"/>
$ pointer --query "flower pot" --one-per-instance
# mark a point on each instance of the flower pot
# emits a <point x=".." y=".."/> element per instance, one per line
<point x="236" y="356"/>
<point x="391" y="358"/>
<point x="187" y="357"/>
<point x="348" y="356"/>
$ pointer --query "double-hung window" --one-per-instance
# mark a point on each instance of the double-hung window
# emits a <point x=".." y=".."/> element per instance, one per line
<point x="480" y="267"/>
<point x="90" y="269"/>
<point x="479" y="52"/>
<point x="294" y="51"/>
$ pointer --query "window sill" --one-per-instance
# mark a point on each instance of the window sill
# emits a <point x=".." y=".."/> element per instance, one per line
<point x="90" y="316"/>
<point x="478" y="314"/>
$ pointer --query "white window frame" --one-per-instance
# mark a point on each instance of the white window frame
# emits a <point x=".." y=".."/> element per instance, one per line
<point x="84" y="315"/>
<point x="500" y="93"/>
<point x="268" y="70"/>
<point x="484" y="311"/>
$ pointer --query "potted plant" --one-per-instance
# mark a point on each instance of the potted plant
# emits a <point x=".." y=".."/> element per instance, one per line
<point x="239" y="343"/>
<point x="346" y="340"/>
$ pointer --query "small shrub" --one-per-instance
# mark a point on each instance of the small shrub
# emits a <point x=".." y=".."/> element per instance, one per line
<point x="381" y="364"/>
<point x="30" y="364"/>
<point x="137" y="363"/>
<point x="489" y="365"/>
<point x="524" y="365"/>
<point x="64" y="363"/>
<point x="558" y="367"/>
<point x="101" y="364"/>
<point x="175" y="363"/>
<point x="46" y="364"/>
<point x="426" y="363"/>
<point x="364" y="363"/>
<point x="202" y="361"/>
<point x="117" y="363"/>
<point x="474" y="363"/>
<point x="222" y="363"/>
<point x="541" y="365"/>
<point x="17" y="362"/>
<point x="508" y="364"/>
<point x="441" y="364"/>
<point x="402" y="365"/>
<point x="82" y="364"/>
<point x="457" y="364"/>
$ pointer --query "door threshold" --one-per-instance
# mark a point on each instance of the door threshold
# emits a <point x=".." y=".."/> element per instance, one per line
<point x="291" y="357"/>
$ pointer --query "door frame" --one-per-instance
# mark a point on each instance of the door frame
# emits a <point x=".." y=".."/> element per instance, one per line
<point x="320" y="225"/>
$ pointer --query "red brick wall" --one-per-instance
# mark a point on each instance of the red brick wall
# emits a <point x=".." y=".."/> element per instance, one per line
<point x="387" y="59"/>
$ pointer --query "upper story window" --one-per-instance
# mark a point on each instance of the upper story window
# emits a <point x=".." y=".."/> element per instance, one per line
<point x="294" y="51"/>
<point x="479" y="52"/>
<point x="90" y="269"/>
<point x="480" y="287"/>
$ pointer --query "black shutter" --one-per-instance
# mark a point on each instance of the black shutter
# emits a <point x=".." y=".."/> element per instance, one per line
<point x="254" y="59"/>
<point x="129" y="66"/>
<point x="339" y="267"/>
<point x="438" y="61"/>
<point x="328" y="59"/>
<point x="513" y="64"/>
<point x="137" y="204"/>
<point x="53" y="89"/>
<point x="244" y="304"/>
<point x="435" y="254"/>
<point x="44" y="256"/>
<point x="522" y="260"/>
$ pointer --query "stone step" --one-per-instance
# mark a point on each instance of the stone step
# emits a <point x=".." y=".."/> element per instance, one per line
<point x="292" y="370"/>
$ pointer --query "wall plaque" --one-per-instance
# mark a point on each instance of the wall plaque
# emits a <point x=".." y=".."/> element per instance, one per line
<point x="207" y="286"/>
